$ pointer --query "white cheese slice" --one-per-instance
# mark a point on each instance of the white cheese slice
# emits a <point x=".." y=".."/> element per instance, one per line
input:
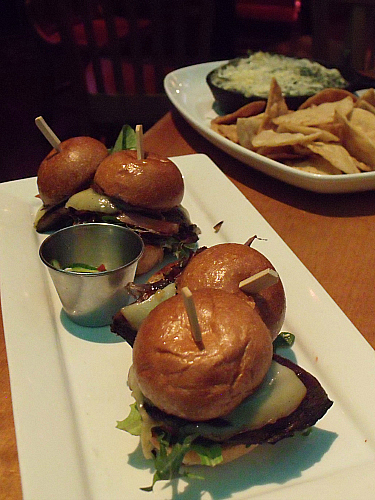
<point x="279" y="395"/>
<point x="91" y="201"/>
<point x="135" y="313"/>
<point x="41" y="211"/>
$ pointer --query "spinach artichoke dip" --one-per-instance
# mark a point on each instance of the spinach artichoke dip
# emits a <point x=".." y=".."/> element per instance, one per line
<point x="252" y="76"/>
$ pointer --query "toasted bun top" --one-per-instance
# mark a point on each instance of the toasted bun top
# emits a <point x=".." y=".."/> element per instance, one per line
<point x="183" y="379"/>
<point x="60" y="175"/>
<point x="152" y="183"/>
<point x="224" y="266"/>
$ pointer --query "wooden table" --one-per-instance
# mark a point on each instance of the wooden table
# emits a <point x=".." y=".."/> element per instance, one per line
<point x="333" y="235"/>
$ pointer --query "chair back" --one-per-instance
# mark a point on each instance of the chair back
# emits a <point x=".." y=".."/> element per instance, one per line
<point x="343" y="32"/>
<point x="121" y="50"/>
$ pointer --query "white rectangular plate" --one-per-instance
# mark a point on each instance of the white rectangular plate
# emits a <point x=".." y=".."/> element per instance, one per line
<point x="69" y="382"/>
<point x="189" y="93"/>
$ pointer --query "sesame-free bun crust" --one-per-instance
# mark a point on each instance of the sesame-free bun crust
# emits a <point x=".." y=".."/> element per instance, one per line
<point x="153" y="183"/>
<point x="152" y="255"/>
<point x="224" y="266"/>
<point x="186" y="380"/>
<point x="60" y="175"/>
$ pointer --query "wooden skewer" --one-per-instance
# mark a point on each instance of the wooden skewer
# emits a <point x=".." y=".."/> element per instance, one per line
<point x="139" y="138"/>
<point x="192" y="314"/>
<point x="259" y="281"/>
<point x="48" y="133"/>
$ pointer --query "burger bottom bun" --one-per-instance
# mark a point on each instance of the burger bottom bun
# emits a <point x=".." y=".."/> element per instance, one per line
<point x="224" y="266"/>
<point x="229" y="452"/>
<point x="180" y="377"/>
<point x="152" y="255"/>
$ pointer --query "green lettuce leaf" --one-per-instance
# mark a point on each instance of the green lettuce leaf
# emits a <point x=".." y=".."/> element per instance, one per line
<point x="210" y="455"/>
<point x="283" y="340"/>
<point x="178" y="248"/>
<point x="125" y="140"/>
<point x="168" y="459"/>
<point x="168" y="463"/>
<point x="132" y="423"/>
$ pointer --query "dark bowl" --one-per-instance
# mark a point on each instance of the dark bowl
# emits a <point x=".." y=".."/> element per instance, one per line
<point x="228" y="101"/>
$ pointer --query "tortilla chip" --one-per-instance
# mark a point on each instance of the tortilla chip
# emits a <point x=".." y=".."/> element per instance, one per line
<point x="315" y="164"/>
<point x="281" y="153"/>
<point x="228" y="131"/>
<point x="364" y="121"/>
<point x="302" y="150"/>
<point x="247" y="128"/>
<point x="270" y="138"/>
<point x="367" y="101"/>
<point x="251" y="109"/>
<point x="337" y="155"/>
<point x="317" y="115"/>
<point x="368" y="96"/>
<point x="276" y="106"/>
<point x="331" y="133"/>
<point x="336" y="128"/>
<point x="324" y="135"/>
<point x="327" y="95"/>
<point x="357" y="143"/>
<point x="365" y="105"/>
<point x="362" y="166"/>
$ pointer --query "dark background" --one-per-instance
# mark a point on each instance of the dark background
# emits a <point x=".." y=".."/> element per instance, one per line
<point x="28" y="83"/>
<point x="26" y="90"/>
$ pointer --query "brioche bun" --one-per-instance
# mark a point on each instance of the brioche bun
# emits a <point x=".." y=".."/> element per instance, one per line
<point x="152" y="255"/>
<point x="61" y="174"/>
<point x="224" y="266"/>
<point x="153" y="183"/>
<point x="181" y="378"/>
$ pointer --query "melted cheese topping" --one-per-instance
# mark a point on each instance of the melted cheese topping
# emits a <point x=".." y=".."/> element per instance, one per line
<point x="135" y="313"/>
<point x="279" y="395"/>
<point x="41" y="211"/>
<point x="91" y="201"/>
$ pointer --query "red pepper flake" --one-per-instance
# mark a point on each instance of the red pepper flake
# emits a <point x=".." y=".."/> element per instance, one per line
<point x="101" y="268"/>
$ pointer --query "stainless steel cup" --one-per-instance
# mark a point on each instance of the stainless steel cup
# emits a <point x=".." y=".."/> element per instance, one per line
<point x="91" y="299"/>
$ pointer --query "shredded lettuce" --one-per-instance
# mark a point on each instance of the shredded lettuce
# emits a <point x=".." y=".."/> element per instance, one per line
<point x="178" y="248"/>
<point x="168" y="459"/>
<point x="209" y="455"/>
<point x="167" y="462"/>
